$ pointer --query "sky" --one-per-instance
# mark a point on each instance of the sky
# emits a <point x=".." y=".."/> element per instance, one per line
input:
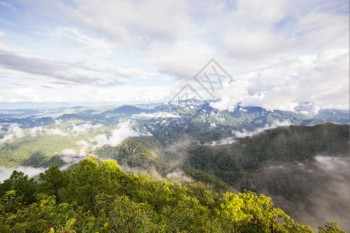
<point x="281" y="54"/>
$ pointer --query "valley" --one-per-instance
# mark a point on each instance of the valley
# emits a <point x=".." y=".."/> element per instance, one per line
<point x="300" y="162"/>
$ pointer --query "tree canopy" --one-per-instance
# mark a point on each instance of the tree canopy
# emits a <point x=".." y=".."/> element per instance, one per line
<point x="98" y="196"/>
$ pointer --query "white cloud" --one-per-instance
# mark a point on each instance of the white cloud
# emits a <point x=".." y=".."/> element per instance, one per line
<point x="63" y="72"/>
<point x="58" y="122"/>
<point x="244" y="133"/>
<point x="156" y="115"/>
<point x="179" y="176"/>
<point x="223" y="141"/>
<point x="281" y="53"/>
<point x="229" y="97"/>
<point x="84" y="147"/>
<point x="290" y="81"/>
<point x="91" y="46"/>
<point x="35" y="131"/>
<point x="122" y="132"/>
<point x="330" y="163"/>
<point x="70" y="157"/>
<point x="5" y="172"/>
<point x="137" y="22"/>
<point x="56" y="131"/>
<point x="40" y="130"/>
<point x="83" y="128"/>
<point x="13" y="132"/>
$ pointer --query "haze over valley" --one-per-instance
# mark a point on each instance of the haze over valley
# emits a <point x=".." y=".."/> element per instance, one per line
<point x="174" y="116"/>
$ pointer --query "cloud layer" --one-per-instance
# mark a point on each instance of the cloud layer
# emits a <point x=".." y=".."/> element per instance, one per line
<point x="281" y="54"/>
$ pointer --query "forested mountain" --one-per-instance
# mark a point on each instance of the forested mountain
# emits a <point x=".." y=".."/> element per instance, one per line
<point x="286" y="144"/>
<point x="96" y="196"/>
<point x="285" y="163"/>
<point x="301" y="164"/>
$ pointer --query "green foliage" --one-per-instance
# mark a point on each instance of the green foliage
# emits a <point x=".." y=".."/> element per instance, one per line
<point x="98" y="196"/>
<point x="240" y="164"/>
<point x="23" y="186"/>
<point x="35" y="151"/>
<point x="132" y="152"/>
<point x="52" y="181"/>
<point x="331" y="228"/>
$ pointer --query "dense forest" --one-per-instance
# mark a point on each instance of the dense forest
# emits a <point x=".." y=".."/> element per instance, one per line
<point x="98" y="196"/>
<point x="235" y="163"/>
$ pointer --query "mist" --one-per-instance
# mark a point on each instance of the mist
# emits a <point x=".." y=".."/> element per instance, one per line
<point x="319" y="191"/>
<point x="179" y="176"/>
<point x="223" y="141"/>
<point x="5" y="172"/>
<point x="13" y="131"/>
<point x="122" y="132"/>
<point x="245" y="133"/>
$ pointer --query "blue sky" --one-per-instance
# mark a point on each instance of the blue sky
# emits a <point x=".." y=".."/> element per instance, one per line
<point x="281" y="54"/>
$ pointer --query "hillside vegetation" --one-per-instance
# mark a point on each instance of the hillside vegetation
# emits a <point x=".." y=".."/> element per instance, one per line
<point x="97" y="196"/>
<point x="233" y="162"/>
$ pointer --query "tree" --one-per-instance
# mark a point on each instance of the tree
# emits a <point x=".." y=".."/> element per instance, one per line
<point x="331" y="228"/>
<point x="52" y="181"/>
<point x="84" y="183"/>
<point x="24" y="187"/>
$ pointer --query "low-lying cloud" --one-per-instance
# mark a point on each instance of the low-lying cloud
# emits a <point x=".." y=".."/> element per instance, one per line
<point x="156" y="115"/>
<point x="223" y="141"/>
<point x="179" y="176"/>
<point x="70" y="157"/>
<point x="37" y="131"/>
<point x="244" y="133"/>
<point x="122" y="132"/>
<point x="5" y="172"/>
<point x="13" y="131"/>
<point x="83" y="128"/>
<point x="314" y="193"/>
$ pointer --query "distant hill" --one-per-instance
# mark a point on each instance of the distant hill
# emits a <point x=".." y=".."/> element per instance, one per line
<point x="126" y="109"/>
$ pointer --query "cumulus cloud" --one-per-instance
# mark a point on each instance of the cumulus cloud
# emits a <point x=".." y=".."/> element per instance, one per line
<point x="122" y="132"/>
<point x="244" y="133"/>
<point x="287" y="83"/>
<point x="229" y="97"/>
